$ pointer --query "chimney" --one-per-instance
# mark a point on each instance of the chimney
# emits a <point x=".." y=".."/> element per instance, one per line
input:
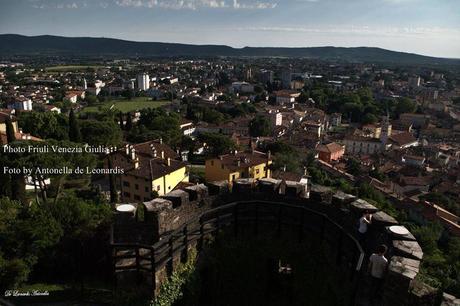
<point x="161" y="140"/>
<point x="284" y="168"/>
<point x="127" y="149"/>
<point x="238" y="163"/>
<point x="136" y="163"/>
<point x="133" y="154"/>
<point x="169" y="161"/>
<point x="163" y="154"/>
<point x="269" y="154"/>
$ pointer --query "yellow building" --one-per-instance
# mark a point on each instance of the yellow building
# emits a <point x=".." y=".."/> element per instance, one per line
<point x="18" y="134"/>
<point x="238" y="165"/>
<point x="149" y="167"/>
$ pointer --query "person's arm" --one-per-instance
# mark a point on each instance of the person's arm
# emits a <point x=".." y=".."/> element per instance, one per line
<point x="368" y="221"/>
<point x="369" y="266"/>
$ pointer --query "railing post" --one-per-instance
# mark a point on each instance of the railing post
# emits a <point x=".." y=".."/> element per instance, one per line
<point x="278" y="227"/>
<point x="170" y="264"/>
<point x="185" y="243"/>
<point x="138" y="263"/>
<point x="153" y="270"/>
<point x="235" y="219"/>
<point x="339" y="249"/>
<point x="256" y="225"/>
<point x="201" y="239"/>
<point x="114" y="267"/>
<point x="301" y="224"/>
<point x="323" y="228"/>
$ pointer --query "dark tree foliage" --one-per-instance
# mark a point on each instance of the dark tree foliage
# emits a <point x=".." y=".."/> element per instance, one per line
<point x="129" y="122"/>
<point x="259" y="126"/>
<point x="120" y="118"/>
<point x="74" y="128"/>
<point x="9" y="130"/>
<point x="218" y="144"/>
<point x="45" y="125"/>
<point x="40" y="240"/>
<point x="106" y="133"/>
<point x="112" y="184"/>
<point x="18" y="188"/>
<point x="156" y="123"/>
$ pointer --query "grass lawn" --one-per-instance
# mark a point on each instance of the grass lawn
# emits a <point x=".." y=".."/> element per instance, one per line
<point x="71" y="68"/>
<point x="126" y="105"/>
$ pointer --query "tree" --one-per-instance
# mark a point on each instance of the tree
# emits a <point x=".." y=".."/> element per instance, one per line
<point x="129" y="122"/>
<point x="45" y="125"/>
<point x="91" y="99"/>
<point x="368" y="119"/>
<point x="217" y="144"/>
<point x="18" y="188"/>
<point x="9" y="130"/>
<point x="120" y="118"/>
<point x="112" y="183"/>
<point x="26" y="233"/>
<point x="74" y="129"/>
<point x="128" y="94"/>
<point x="353" y="166"/>
<point x="259" y="126"/>
<point x="405" y="105"/>
<point x="106" y="133"/>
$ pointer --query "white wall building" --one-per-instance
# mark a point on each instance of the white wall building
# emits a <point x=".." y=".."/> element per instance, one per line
<point x="143" y="81"/>
<point x="242" y="87"/>
<point x="362" y="145"/>
<point x="21" y="103"/>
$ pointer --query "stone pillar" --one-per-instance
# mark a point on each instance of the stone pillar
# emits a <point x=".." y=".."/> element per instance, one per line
<point x="401" y="273"/>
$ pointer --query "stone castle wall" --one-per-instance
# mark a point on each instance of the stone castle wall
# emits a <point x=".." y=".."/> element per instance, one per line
<point x="401" y="287"/>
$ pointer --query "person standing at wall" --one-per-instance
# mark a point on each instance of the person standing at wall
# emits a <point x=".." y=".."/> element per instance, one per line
<point x="363" y="227"/>
<point x="377" y="267"/>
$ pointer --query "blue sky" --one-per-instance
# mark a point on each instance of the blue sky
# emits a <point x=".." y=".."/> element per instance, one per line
<point x="430" y="27"/>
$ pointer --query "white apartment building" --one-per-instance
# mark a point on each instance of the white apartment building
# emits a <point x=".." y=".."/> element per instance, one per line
<point x="143" y="81"/>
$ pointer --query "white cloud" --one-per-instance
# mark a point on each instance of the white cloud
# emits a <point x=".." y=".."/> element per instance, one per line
<point x="55" y="4"/>
<point x="253" y="5"/>
<point x="399" y="1"/>
<point x="195" y="4"/>
<point x="362" y="30"/>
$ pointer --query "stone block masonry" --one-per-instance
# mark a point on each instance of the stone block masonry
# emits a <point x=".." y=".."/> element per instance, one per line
<point x="172" y="214"/>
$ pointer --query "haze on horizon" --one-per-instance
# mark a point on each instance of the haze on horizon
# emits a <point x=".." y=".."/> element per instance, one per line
<point x="428" y="27"/>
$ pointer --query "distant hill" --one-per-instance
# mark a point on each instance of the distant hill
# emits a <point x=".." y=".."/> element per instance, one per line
<point x="12" y="44"/>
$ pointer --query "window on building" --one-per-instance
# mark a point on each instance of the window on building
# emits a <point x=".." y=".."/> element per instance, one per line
<point x="136" y="186"/>
<point x="126" y="194"/>
<point x="146" y="189"/>
<point x="233" y="177"/>
<point x="137" y="198"/>
<point x="212" y="163"/>
<point x="257" y="171"/>
<point x="158" y="188"/>
<point x="125" y="183"/>
<point x="222" y="166"/>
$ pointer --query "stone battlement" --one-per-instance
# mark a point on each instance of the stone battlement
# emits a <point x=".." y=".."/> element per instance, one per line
<point x="175" y="213"/>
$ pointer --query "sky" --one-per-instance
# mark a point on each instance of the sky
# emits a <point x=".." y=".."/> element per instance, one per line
<point x="428" y="27"/>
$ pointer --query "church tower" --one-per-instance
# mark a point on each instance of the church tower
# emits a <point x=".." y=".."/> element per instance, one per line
<point x="386" y="129"/>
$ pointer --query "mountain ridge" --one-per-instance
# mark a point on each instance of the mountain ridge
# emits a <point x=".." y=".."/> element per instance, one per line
<point x="15" y="44"/>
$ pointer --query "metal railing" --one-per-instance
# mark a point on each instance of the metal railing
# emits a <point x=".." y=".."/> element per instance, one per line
<point x="250" y="214"/>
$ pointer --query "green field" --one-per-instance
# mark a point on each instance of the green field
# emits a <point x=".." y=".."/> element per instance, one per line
<point x="126" y="105"/>
<point x="72" y="68"/>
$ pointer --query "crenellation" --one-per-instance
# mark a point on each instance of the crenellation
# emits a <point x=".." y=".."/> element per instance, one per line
<point x="404" y="251"/>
